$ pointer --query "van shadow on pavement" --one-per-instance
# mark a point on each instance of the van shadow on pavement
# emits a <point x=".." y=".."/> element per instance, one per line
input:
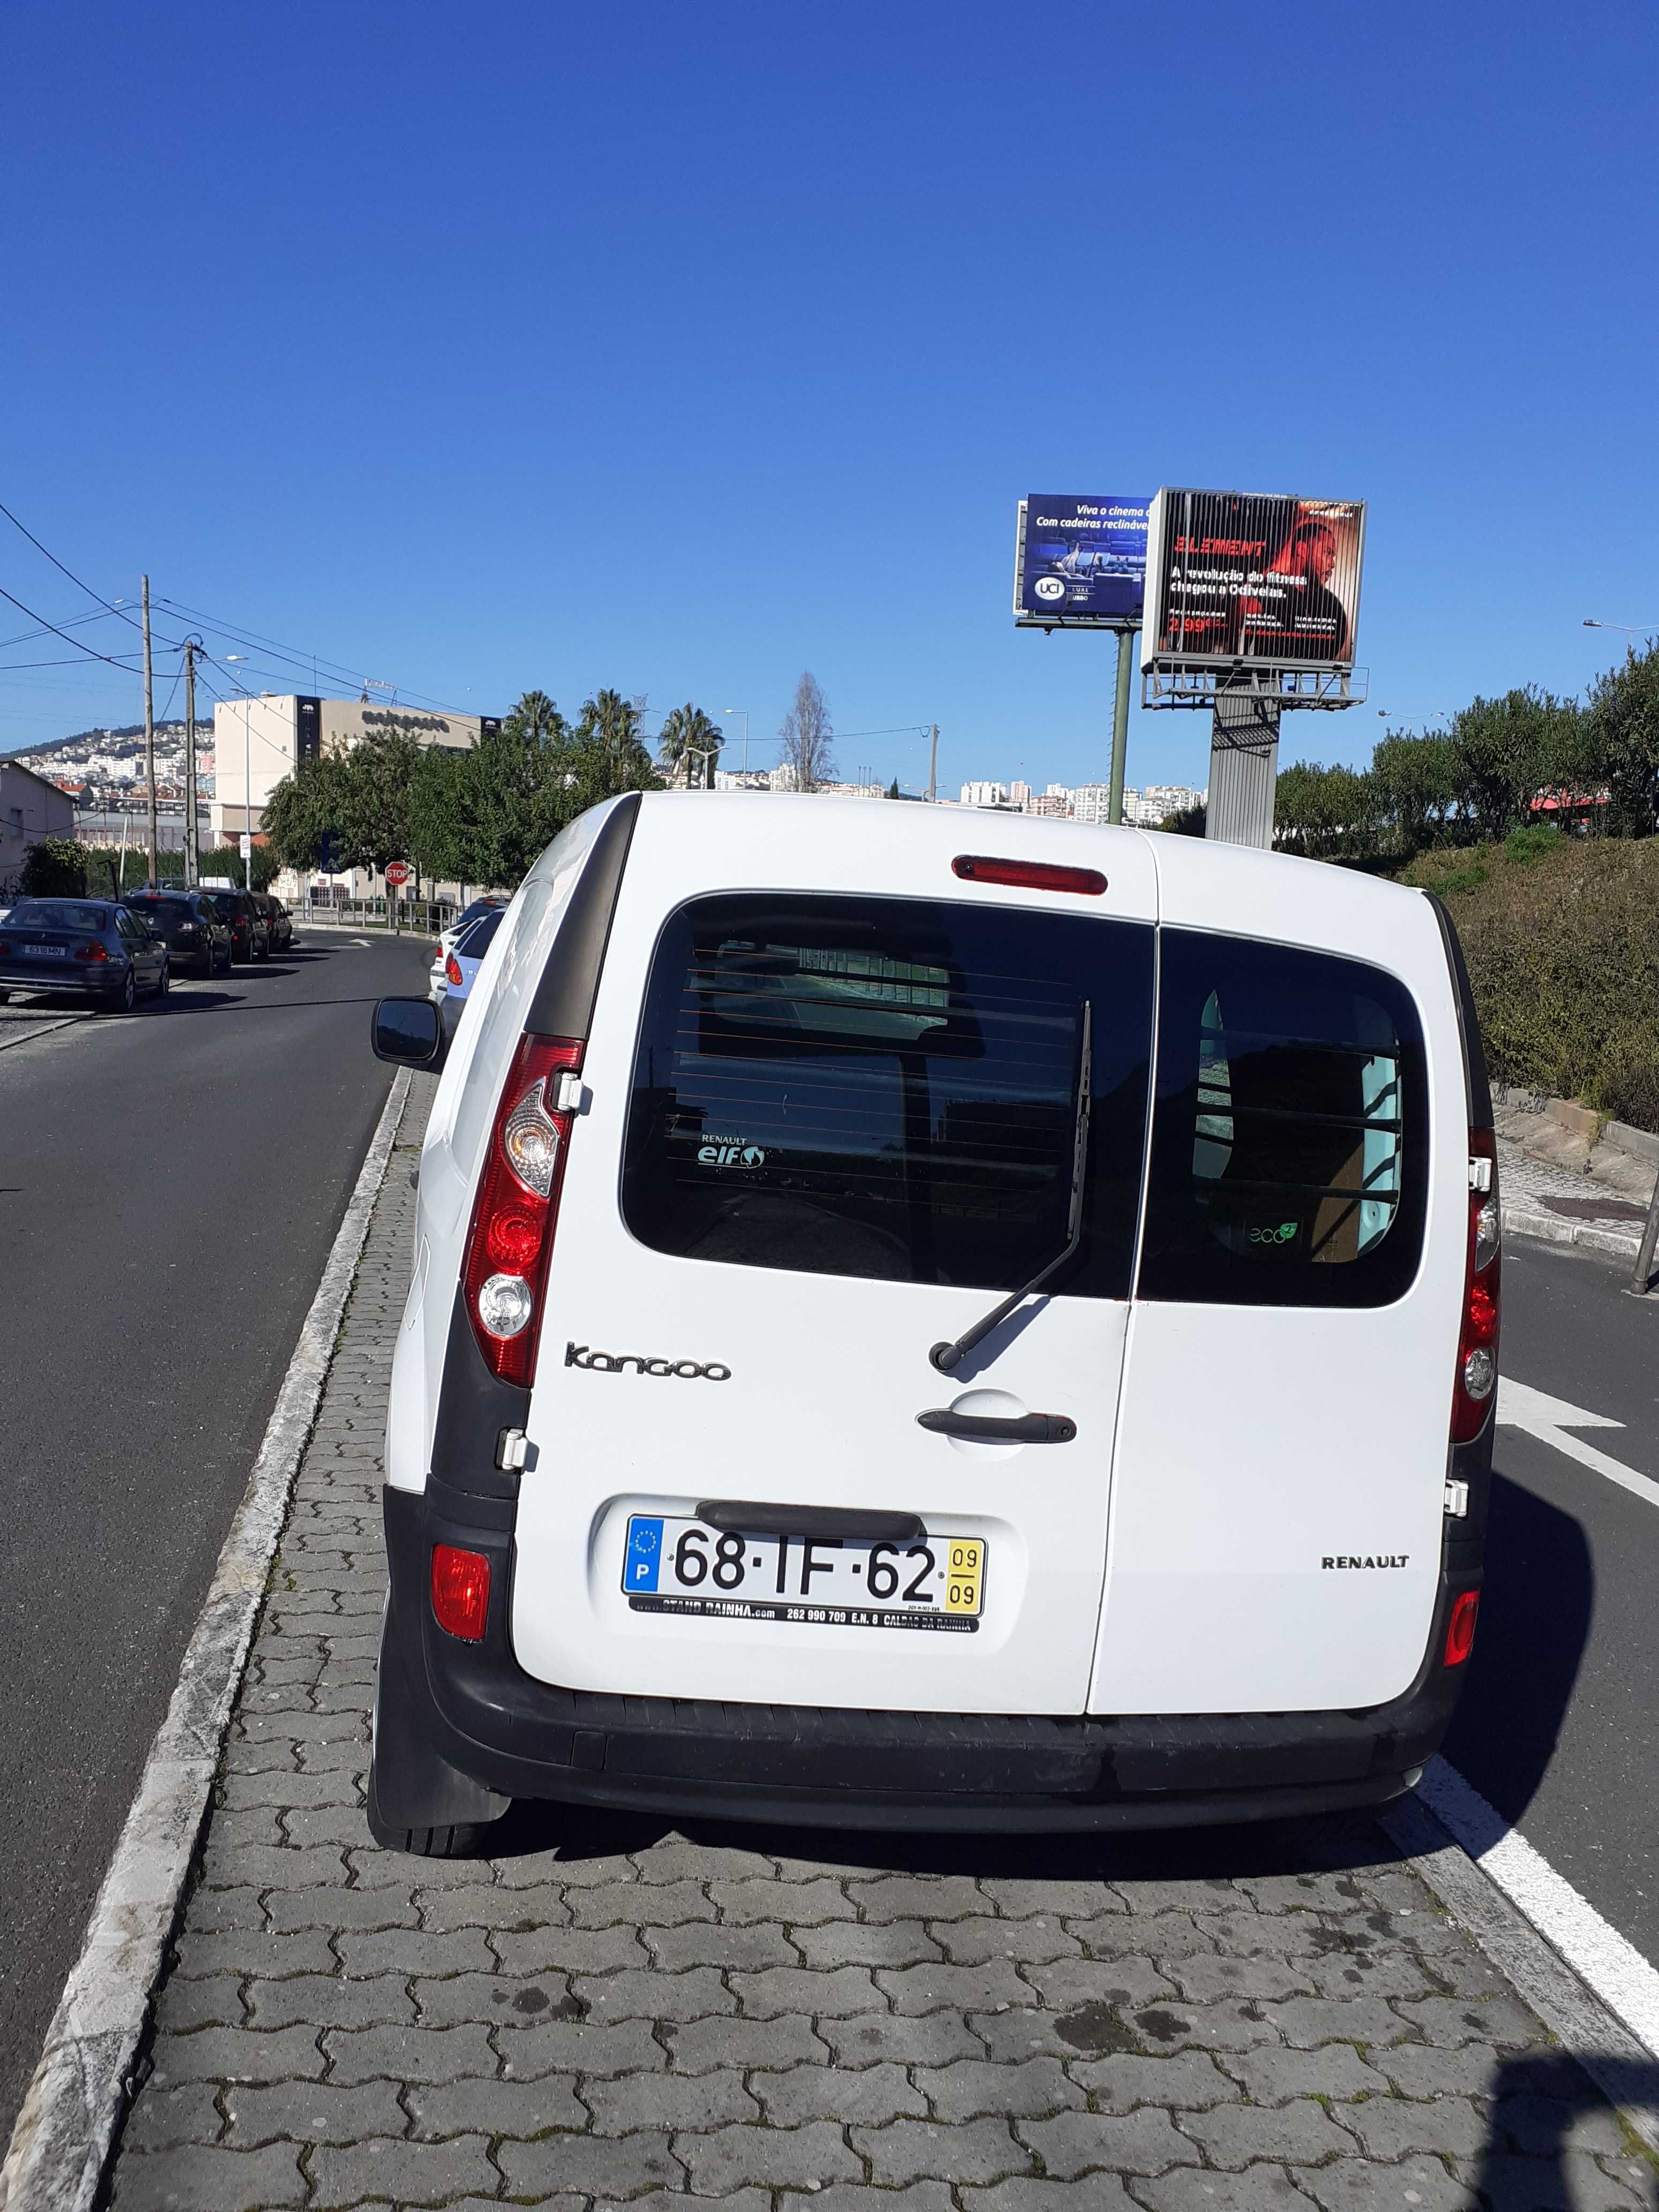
<point x="1535" y="1612"/>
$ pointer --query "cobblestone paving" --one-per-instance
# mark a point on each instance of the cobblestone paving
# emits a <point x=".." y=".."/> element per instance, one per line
<point x="609" y="2010"/>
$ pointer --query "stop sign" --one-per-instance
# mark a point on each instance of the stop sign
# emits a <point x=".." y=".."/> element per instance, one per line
<point x="397" y="872"/>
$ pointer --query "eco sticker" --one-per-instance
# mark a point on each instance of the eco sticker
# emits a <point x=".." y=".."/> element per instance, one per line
<point x="1282" y="1235"/>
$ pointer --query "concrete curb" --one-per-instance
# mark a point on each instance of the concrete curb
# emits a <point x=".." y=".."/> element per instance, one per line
<point x="1558" y="1228"/>
<point x="1618" y="2061"/>
<point x="68" y="2119"/>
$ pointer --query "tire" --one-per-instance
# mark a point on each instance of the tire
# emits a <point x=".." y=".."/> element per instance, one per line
<point x="450" y="1815"/>
<point x="129" y="994"/>
<point x="163" y="983"/>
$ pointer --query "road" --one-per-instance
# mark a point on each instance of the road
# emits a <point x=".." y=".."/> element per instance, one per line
<point x="1557" y="1726"/>
<point x="170" y="1185"/>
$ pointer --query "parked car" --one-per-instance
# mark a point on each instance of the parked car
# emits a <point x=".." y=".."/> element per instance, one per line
<point x="438" y="981"/>
<point x="463" y="962"/>
<point x="279" y="923"/>
<point x="192" y="926"/>
<point x="800" y="1175"/>
<point x="249" y="933"/>
<point x="90" y="946"/>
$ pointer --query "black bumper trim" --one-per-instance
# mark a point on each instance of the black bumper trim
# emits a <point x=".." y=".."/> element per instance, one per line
<point x="525" y="1738"/>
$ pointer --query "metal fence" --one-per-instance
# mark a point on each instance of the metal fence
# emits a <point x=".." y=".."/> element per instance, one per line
<point x="401" y="917"/>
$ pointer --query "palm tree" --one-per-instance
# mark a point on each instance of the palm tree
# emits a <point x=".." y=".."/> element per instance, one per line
<point x="612" y="723"/>
<point x="537" y="718"/>
<point x="688" y="744"/>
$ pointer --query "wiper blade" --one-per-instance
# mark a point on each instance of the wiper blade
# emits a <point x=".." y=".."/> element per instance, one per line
<point x="949" y="1356"/>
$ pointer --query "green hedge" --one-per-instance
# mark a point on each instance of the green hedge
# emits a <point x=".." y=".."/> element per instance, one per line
<point x="1562" y="940"/>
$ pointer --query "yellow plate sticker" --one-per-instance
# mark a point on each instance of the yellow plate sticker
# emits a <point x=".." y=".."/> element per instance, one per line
<point x="964" y="1574"/>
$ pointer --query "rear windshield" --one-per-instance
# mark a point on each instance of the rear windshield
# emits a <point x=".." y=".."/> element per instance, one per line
<point x="888" y="1089"/>
<point x="78" y="921"/>
<point x="164" y="910"/>
<point x="1288" y="1147"/>
<point x="475" y="941"/>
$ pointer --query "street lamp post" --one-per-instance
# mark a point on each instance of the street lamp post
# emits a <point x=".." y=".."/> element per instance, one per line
<point x="743" y="711"/>
<point x="247" y="784"/>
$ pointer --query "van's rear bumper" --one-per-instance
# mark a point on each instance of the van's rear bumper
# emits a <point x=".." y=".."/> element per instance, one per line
<point x="825" y="1767"/>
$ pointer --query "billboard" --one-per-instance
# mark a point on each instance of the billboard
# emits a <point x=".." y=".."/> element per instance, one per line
<point x="1270" y="581"/>
<point x="1080" y="560"/>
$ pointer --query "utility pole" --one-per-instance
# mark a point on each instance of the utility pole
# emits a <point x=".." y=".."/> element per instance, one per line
<point x="192" y="858"/>
<point x="149" y="741"/>
<point x="933" y="762"/>
<point x="1121" y="725"/>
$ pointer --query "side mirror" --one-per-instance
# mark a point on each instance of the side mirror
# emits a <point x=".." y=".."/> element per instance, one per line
<point x="409" y="1032"/>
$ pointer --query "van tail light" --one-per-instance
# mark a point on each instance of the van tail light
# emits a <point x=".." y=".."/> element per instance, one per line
<point x="94" y="951"/>
<point x="452" y="969"/>
<point x="461" y="1591"/>
<point x="1460" y="1629"/>
<point x="517" y="1208"/>
<point x="1027" y="875"/>
<point x="1477" y="1349"/>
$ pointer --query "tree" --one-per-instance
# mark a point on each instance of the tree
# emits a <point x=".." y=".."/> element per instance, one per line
<point x="1415" y="783"/>
<point x="893" y="789"/>
<point x="612" y="723"/>
<point x="1621" y="743"/>
<point x="1320" y="812"/>
<point x="690" y="744"/>
<point x="300" y="808"/>
<point x="55" y="868"/>
<point x="805" y="736"/>
<point x="1504" y="751"/>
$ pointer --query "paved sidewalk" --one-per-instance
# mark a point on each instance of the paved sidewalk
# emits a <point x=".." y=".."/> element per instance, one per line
<point x="1539" y="1200"/>
<point x="609" y="2010"/>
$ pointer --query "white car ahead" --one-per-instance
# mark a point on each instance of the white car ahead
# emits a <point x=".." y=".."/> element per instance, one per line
<point x="930" y="1320"/>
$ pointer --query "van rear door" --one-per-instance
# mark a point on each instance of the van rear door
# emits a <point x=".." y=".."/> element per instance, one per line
<point x="828" y="1124"/>
<point x="1282" y="1451"/>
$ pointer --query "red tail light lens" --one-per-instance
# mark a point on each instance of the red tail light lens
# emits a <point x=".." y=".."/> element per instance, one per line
<point x="461" y="1591"/>
<point x="452" y="969"/>
<point x="517" y="1207"/>
<point x="1477" y="1350"/>
<point x="94" y="951"/>
<point x="1460" y="1629"/>
<point x="1028" y="875"/>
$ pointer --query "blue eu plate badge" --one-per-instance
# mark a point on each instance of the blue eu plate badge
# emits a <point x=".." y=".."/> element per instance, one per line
<point x="644" y="1553"/>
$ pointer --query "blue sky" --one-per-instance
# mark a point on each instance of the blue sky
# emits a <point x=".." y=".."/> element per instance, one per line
<point x="682" y="349"/>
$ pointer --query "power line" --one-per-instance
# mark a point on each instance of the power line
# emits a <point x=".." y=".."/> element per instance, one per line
<point x="89" y="651"/>
<point x="336" y="670"/>
<point x="108" y="606"/>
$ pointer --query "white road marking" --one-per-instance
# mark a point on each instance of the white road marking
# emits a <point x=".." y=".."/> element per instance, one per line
<point x="1626" y="1983"/>
<point x="1521" y="1406"/>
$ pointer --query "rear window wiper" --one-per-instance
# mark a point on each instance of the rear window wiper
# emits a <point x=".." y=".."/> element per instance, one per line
<point x="949" y="1356"/>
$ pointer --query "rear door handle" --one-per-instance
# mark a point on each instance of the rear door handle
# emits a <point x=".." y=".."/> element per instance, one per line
<point x="992" y="1429"/>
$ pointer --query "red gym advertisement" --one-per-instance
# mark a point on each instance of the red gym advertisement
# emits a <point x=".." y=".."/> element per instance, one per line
<point x="1273" y="582"/>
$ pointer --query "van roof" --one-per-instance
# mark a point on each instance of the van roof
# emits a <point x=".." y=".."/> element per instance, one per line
<point x="1270" y="895"/>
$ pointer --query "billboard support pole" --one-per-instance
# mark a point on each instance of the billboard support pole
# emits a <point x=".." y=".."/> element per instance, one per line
<point x="1121" y="725"/>
<point x="1243" y="769"/>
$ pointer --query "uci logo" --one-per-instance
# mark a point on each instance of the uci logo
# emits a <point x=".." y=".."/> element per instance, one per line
<point x="1049" y="588"/>
<point x="614" y="1363"/>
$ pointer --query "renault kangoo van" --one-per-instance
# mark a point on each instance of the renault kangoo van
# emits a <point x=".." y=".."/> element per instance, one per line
<point x="936" y="1318"/>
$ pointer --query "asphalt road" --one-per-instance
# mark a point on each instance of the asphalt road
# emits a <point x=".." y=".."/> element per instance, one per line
<point x="170" y="1185"/>
<point x="1558" y="1725"/>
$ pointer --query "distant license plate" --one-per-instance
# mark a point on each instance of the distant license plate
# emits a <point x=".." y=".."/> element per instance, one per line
<point x="671" y="1566"/>
<point x="45" y="951"/>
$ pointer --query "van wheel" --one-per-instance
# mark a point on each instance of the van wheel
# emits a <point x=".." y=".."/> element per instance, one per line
<point x="417" y="1801"/>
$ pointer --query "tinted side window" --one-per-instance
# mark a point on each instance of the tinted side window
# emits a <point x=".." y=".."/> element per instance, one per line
<point x="1290" y="1138"/>
<point x="887" y="1088"/>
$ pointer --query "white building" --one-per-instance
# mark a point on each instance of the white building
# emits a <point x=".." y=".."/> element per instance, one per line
<point x="30" y="809"/>
<point x="985" y="795"/>
<point x="257" y="742"/>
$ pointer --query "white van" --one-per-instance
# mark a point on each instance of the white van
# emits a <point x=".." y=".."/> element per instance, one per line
<point x="930" y="1318"/>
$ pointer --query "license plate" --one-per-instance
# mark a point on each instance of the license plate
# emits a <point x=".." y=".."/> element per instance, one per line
<point x="672" y="1566"/>
<point x="46" y="951"/>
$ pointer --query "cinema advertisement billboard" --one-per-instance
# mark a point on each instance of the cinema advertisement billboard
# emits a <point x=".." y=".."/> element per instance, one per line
<point x="1271" y="582"/>
<point x="1080" y="560"/>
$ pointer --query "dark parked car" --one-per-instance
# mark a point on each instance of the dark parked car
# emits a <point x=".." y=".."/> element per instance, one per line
<point x="250" y="937"/>
<point x="279" y="923"/>
<point x="194" y="931"/>
<point x="89" y="945"/>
